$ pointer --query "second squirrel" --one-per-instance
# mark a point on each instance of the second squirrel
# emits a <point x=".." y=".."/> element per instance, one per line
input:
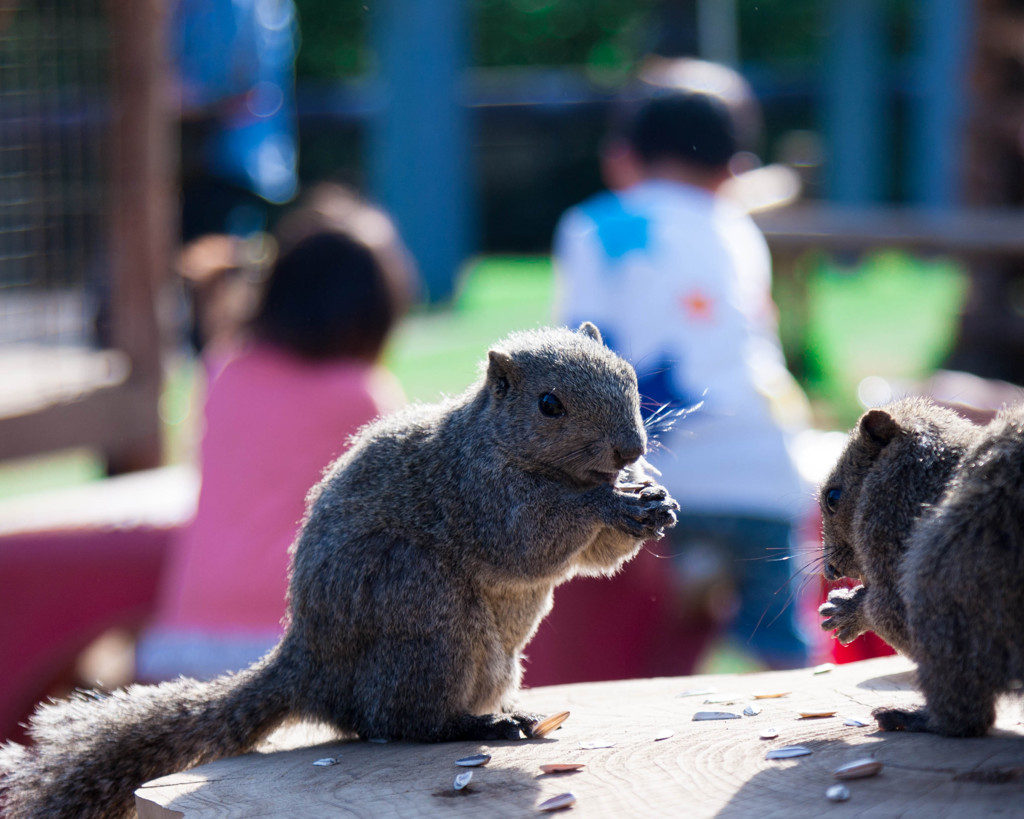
<point x="924" y="508"/>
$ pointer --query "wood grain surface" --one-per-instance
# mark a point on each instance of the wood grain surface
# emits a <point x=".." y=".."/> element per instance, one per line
<point x="705" y="768"/>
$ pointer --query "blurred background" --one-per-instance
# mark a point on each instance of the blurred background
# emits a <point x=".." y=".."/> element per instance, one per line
<point x="475" y="123"/>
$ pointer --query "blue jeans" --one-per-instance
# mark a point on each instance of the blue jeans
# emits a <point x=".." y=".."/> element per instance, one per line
<point x="739" y="571"/>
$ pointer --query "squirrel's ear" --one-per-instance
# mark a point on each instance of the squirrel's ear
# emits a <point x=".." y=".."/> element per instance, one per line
<point x="502" y="372"/>
<point x="590" y="329"/>
<point x="879" y="426"/>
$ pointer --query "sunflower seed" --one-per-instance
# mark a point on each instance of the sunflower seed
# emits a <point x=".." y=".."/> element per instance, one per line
<point x="709" y="715"/>
<point x="770" y="696"/>
<point x="594" y="744"/>
<point x="751" y="711"/>
<point x="562" y="767"/>
<point x="697" y="692"/>
<point x="858" y="769"/>
<point x="723" y="699"/>
<point x="326" y="761"/>
<point x="769" y="733"/>
<point x="546" y="726"/>
<point x="838" y="793"/>
<point x="473" y="761"/>
<point x="462" y="780"/>
<point x="824" y="668"/>
<point x="816" y="714"/>
<point x="666" y="734"/>
<point x="855" y="723"/>
<point x="563" y="800"/>
<point x="630" y="487"/>
<point x="788" y="752"/>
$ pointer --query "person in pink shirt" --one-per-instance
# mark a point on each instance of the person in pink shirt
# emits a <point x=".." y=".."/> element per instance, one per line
<point x="283" y="399"/>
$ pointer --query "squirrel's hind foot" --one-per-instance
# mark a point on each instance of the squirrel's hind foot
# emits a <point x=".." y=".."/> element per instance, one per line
<point x="900" y="719"/>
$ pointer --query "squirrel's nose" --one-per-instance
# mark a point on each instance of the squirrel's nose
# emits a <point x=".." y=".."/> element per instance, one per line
<point x="831" y="572"/>
<point x="625" y="455"/>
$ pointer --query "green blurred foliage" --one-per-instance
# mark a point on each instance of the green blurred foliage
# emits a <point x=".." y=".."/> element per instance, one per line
<point x="780" y="31"/>
<point x="606" y="35"/>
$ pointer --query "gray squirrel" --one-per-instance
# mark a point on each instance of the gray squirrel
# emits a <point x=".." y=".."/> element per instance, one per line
<point x="926" y="510"/>
<point x="425" y="563"/>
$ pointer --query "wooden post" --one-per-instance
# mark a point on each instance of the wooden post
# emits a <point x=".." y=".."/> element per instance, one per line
<point x="142" y="159"/>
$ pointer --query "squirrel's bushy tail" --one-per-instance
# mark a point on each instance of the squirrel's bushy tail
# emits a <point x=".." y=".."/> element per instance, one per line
<point x="92" y="751"/>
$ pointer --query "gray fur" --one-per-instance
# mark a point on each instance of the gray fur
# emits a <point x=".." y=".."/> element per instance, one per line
<point x="427" y="559"/>
<point x="929" y="519"/>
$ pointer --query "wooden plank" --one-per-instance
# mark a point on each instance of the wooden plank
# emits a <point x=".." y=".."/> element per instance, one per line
<point x="703" y="769"/>
<point x="973" y="232"/>
<point x="110" y="418"/>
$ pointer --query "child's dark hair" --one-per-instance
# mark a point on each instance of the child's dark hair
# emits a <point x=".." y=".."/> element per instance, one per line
<point x="684" y="126"/>
<point x="341" y="280"/>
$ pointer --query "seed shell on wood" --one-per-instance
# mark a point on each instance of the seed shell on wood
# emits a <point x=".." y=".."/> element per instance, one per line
<point x="824" y="668"/>
<point x="562" y="767"/>
<point x="723" y="699"/>
<point x="769" y="733"/>
<point x="563" y="800"/>
<point x="787" y="752"/>
<point x="473" y="761"/>
<point x="858" y="769"/>
<point x="770" y="695"/>
<point x="462" y="780"/>
<point x="327" y="761"/>
<point x="709" y="715"/>
<point x="855" y="723"/>
<point x="546" y="726"/>
<point x="752" y="710"/>
<point x="666" y="734"/>
<point x="697" y="692"/>
<point x="816" y="714"/>
<point x="837" y="793"/>
<point x="594" y="744"/>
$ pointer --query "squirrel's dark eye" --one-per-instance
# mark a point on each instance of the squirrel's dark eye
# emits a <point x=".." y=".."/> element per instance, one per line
<point x="832" y="499"/>
<point x="550" y="405"/>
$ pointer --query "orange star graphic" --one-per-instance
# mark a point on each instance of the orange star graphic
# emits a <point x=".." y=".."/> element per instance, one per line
<point x="697" y="306"/>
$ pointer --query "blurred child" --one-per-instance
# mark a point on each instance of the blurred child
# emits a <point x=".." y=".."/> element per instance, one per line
<point x="284" y="397"/>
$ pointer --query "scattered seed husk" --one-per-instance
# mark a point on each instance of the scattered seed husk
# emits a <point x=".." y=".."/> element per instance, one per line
<point x="709" y="715"/>
<point x="326" y="761"/>
<point x="563" y="800"/>
<point x="666" y="734"/>
<point x="473" y="761"/>
<point x="769" y="733"/>
<point x="855" y="723"/>
<point x="787" y="752"/>
<point x="858" y="769"/>
<point x="697" y="692"/>
<point x="824" y="668"/>
<point x="462" y="780"/>
<point x="546" y="726"/>
<point x="594" y="744"/>
<point x="752" y="710"/>
<point x="379" y="740"/>
<point x="837" y="793"/>
<point x="816" y="714"/>
<point x="771" y="696"/>
<point x="723" y="699"/>
<point x="562" y="767"/>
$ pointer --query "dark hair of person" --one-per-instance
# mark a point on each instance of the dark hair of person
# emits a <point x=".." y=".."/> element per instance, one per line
<point x="683" y="126"/>
<point x="340" y="282"/>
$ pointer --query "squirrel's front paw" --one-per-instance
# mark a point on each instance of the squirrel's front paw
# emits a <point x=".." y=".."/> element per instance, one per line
<point x="649" y="512"/>
<point x="842" y="613"/>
